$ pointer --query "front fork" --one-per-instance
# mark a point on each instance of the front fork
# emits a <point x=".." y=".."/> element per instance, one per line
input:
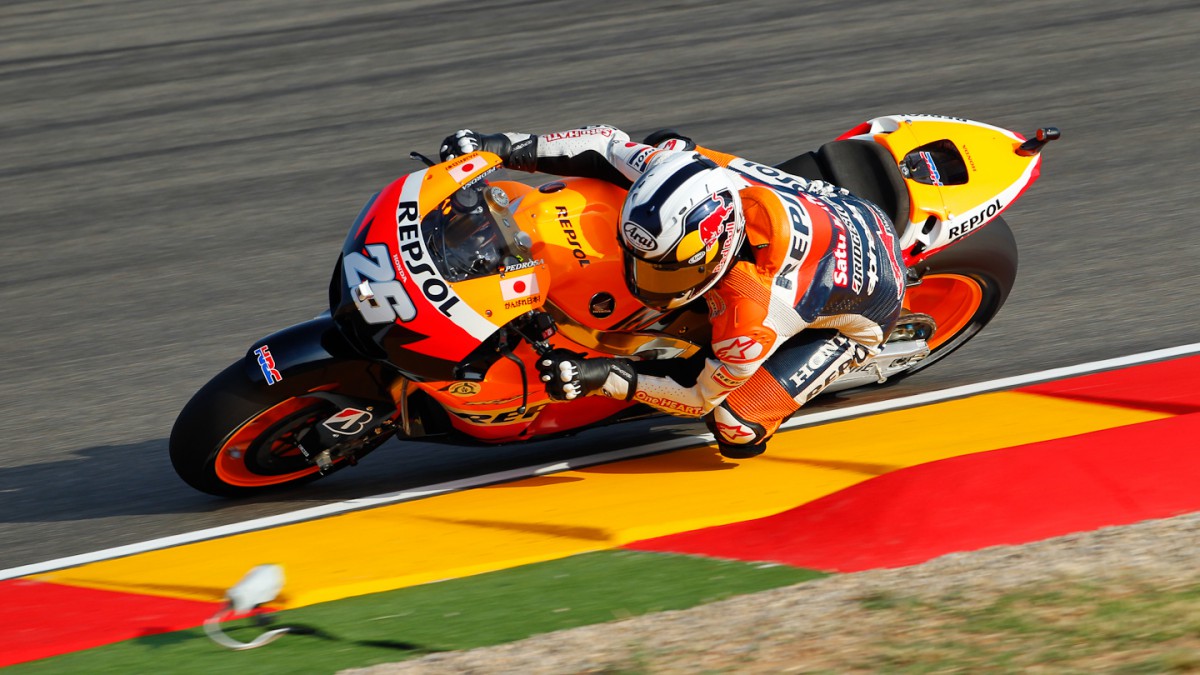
<point x="356" y="428"/>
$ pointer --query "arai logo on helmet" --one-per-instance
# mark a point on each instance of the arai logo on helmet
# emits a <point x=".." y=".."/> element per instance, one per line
<point x="637" y="237"/>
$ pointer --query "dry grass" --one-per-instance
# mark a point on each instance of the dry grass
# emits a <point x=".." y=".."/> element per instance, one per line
<point x="1117" y="600"/>
<point x="1134" y="626"/>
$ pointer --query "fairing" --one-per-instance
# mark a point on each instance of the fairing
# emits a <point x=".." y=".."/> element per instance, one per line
<point x="576" y="220"/>
<point x="411" y="290"/>
<point x="960" y="174"/>
<point x="574" y="226"/>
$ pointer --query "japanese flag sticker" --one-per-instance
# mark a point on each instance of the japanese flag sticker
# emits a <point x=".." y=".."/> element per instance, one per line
<point x="519" y="287"/>
<point x="473" y="165"/>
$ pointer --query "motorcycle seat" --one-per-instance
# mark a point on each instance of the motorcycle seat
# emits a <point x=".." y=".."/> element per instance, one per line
<point x="864" y="168"/>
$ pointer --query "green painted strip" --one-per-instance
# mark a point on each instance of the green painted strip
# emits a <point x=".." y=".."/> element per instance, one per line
<point x="458" y="614"/>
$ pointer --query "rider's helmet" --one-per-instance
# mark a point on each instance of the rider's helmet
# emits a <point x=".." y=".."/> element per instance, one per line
<point x="681" y="227"/>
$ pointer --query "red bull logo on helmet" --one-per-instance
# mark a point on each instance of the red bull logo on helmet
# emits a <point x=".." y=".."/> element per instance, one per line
<point x="711" y="217"/>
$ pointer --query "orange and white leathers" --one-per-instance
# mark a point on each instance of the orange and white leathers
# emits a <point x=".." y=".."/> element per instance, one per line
<point x="815" y="292"/>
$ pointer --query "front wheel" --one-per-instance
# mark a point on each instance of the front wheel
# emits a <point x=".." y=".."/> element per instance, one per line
<point x="236" y="438"/>
<point x="963" y="288"/>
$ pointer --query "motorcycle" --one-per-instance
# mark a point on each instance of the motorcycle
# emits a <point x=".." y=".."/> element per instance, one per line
<point x="450" y="285"/>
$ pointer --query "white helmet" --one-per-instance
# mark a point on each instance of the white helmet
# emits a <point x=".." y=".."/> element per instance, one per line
<point x="681" y="228"/>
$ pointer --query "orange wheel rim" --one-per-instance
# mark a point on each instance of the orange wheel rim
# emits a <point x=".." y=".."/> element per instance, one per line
<point x="231" y="463"/>
<point x="951" y="299"/>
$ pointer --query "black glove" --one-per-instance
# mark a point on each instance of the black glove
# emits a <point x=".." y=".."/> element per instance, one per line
<point x="466" y="141"/>
<point x="520" y="154"/>
<point x="569" y="375"/>
<point x="660" y="137"/>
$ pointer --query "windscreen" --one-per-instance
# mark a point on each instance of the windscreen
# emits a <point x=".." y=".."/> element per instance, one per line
<point x="472" y="234"/>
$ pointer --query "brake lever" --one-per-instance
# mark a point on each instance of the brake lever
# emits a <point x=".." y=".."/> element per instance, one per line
<point x="536" y="328"/>
<point x="507" y="352"/>
<point x="421" y="158"/>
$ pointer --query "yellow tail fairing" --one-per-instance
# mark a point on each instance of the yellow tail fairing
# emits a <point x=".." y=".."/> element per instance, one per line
<point x="946" y="208"/>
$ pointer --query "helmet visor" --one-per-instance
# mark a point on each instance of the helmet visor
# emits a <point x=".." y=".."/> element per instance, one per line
<point x="665" y="286"/>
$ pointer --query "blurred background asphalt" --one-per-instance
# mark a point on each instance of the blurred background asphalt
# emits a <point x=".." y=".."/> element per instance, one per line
<point x="176" y="180"/>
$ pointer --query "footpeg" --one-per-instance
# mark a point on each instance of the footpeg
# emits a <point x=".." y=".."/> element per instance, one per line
<point x="913" y="326"/>
<point x="324" y="461"/>
<point x="879" y="376"/>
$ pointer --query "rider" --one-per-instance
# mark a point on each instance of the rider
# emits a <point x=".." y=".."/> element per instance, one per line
<point x="803" y="280"/>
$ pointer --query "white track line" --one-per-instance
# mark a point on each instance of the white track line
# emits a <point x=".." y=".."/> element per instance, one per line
<point x="590" y="460"/>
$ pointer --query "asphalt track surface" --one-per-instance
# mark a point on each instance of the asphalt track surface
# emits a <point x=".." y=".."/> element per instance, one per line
<point x="176" y="180"/>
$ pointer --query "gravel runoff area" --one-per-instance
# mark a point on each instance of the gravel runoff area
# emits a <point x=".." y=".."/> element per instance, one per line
<point x="827" y="625"/>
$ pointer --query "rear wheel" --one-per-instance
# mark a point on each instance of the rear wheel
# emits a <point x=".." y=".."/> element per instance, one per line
<point x="235" y="438"/>
<point x="963" y="288"/>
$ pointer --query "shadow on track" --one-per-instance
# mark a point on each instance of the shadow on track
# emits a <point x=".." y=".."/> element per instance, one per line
<point x="82" y="488"/>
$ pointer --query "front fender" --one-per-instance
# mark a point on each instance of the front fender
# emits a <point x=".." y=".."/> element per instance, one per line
<point x="314" y="355"/>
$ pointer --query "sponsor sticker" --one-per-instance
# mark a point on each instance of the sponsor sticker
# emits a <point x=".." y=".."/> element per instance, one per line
<point x="564" y="221"/>
<point x="638" y="237"/>
<point x="663" y="403"/>
<point x="742" y="349"/>
<point x="577" y="133"/>
<point x="509" y="416"/>
<point x="934" y="177"/>
<point x="509" y="269"/>
<point x="523" y="286"/>
<point x="841" y="264"/>
<point x="467" y="167"/>
<point x="349" y="421"/>
<point x="711" y="216"/>
<point x="266" y="363"/>
<point x="602" y="305"/>
<point x="732" y="432"/>
<point x="523" y="302"/>
<point x="716" y="304"/>
<point x="462" y="388"/>
<point x="980" y="217"/>
<point x="641" y="158"/>
<point x="724" y="379"/>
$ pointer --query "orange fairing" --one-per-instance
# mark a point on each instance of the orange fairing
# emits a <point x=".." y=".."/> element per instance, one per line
<point x="516" y="291"/>
<point x="573" y="226"/>
<point x="444" y="279"/>
<point x="576" y="220"/>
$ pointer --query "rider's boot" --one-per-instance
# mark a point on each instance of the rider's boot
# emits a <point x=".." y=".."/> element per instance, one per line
<point x="741" y="451"/>
<point x="724" y="424"/>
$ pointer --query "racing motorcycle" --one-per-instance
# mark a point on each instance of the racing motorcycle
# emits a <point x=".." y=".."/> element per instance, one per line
<point x="450" y="285"/>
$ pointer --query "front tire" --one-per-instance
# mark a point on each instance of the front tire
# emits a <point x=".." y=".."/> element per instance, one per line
<point x="236" y="438"/>
<point x="963" y="288"/>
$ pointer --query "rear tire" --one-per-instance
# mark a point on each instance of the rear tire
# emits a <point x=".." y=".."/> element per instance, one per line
<point x="236" y="438"/>
<point x="963" y="288"/>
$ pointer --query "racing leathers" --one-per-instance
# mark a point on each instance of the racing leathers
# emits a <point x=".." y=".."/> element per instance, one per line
<point x="814" y="292"/>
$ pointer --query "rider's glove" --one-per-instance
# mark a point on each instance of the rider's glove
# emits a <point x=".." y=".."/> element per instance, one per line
<point x="569" y="375"/>
<point x="669" y="139"/>
<point x="517" y="151"/>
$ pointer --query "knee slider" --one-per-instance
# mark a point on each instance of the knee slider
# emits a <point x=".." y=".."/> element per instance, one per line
<point x="730" y="429"/>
